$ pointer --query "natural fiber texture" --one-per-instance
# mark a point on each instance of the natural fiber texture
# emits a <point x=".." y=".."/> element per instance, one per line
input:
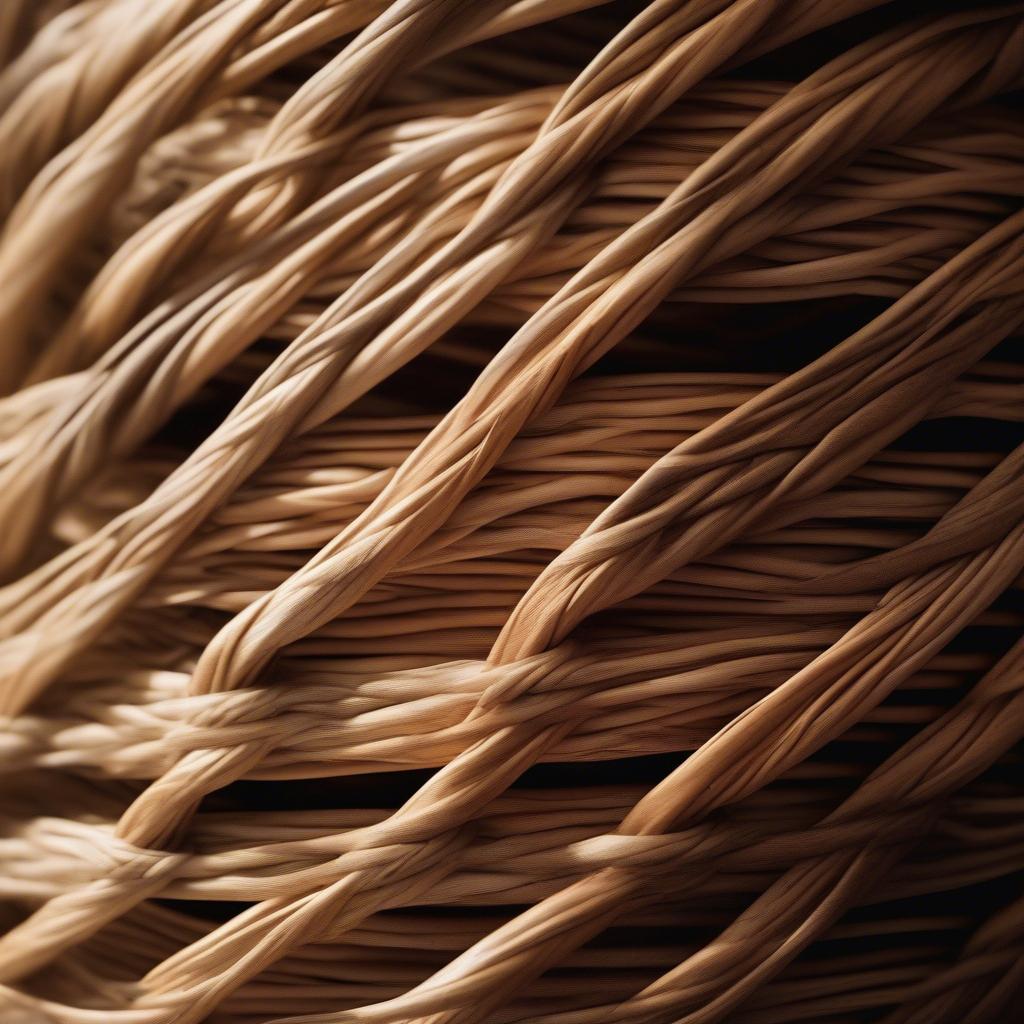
<point x="512" y="511"/>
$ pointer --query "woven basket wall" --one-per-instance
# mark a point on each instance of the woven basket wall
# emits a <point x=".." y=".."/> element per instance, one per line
<point x="511" y="511"/>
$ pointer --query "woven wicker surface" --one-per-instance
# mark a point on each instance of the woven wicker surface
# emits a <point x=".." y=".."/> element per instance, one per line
<point x="511" y="511"/>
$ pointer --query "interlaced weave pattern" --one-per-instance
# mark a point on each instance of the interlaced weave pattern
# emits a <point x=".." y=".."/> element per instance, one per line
<point x="511" y="511"/>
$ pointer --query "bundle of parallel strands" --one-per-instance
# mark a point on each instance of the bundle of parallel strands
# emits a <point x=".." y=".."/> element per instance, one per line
<point x="511" y="511"/>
